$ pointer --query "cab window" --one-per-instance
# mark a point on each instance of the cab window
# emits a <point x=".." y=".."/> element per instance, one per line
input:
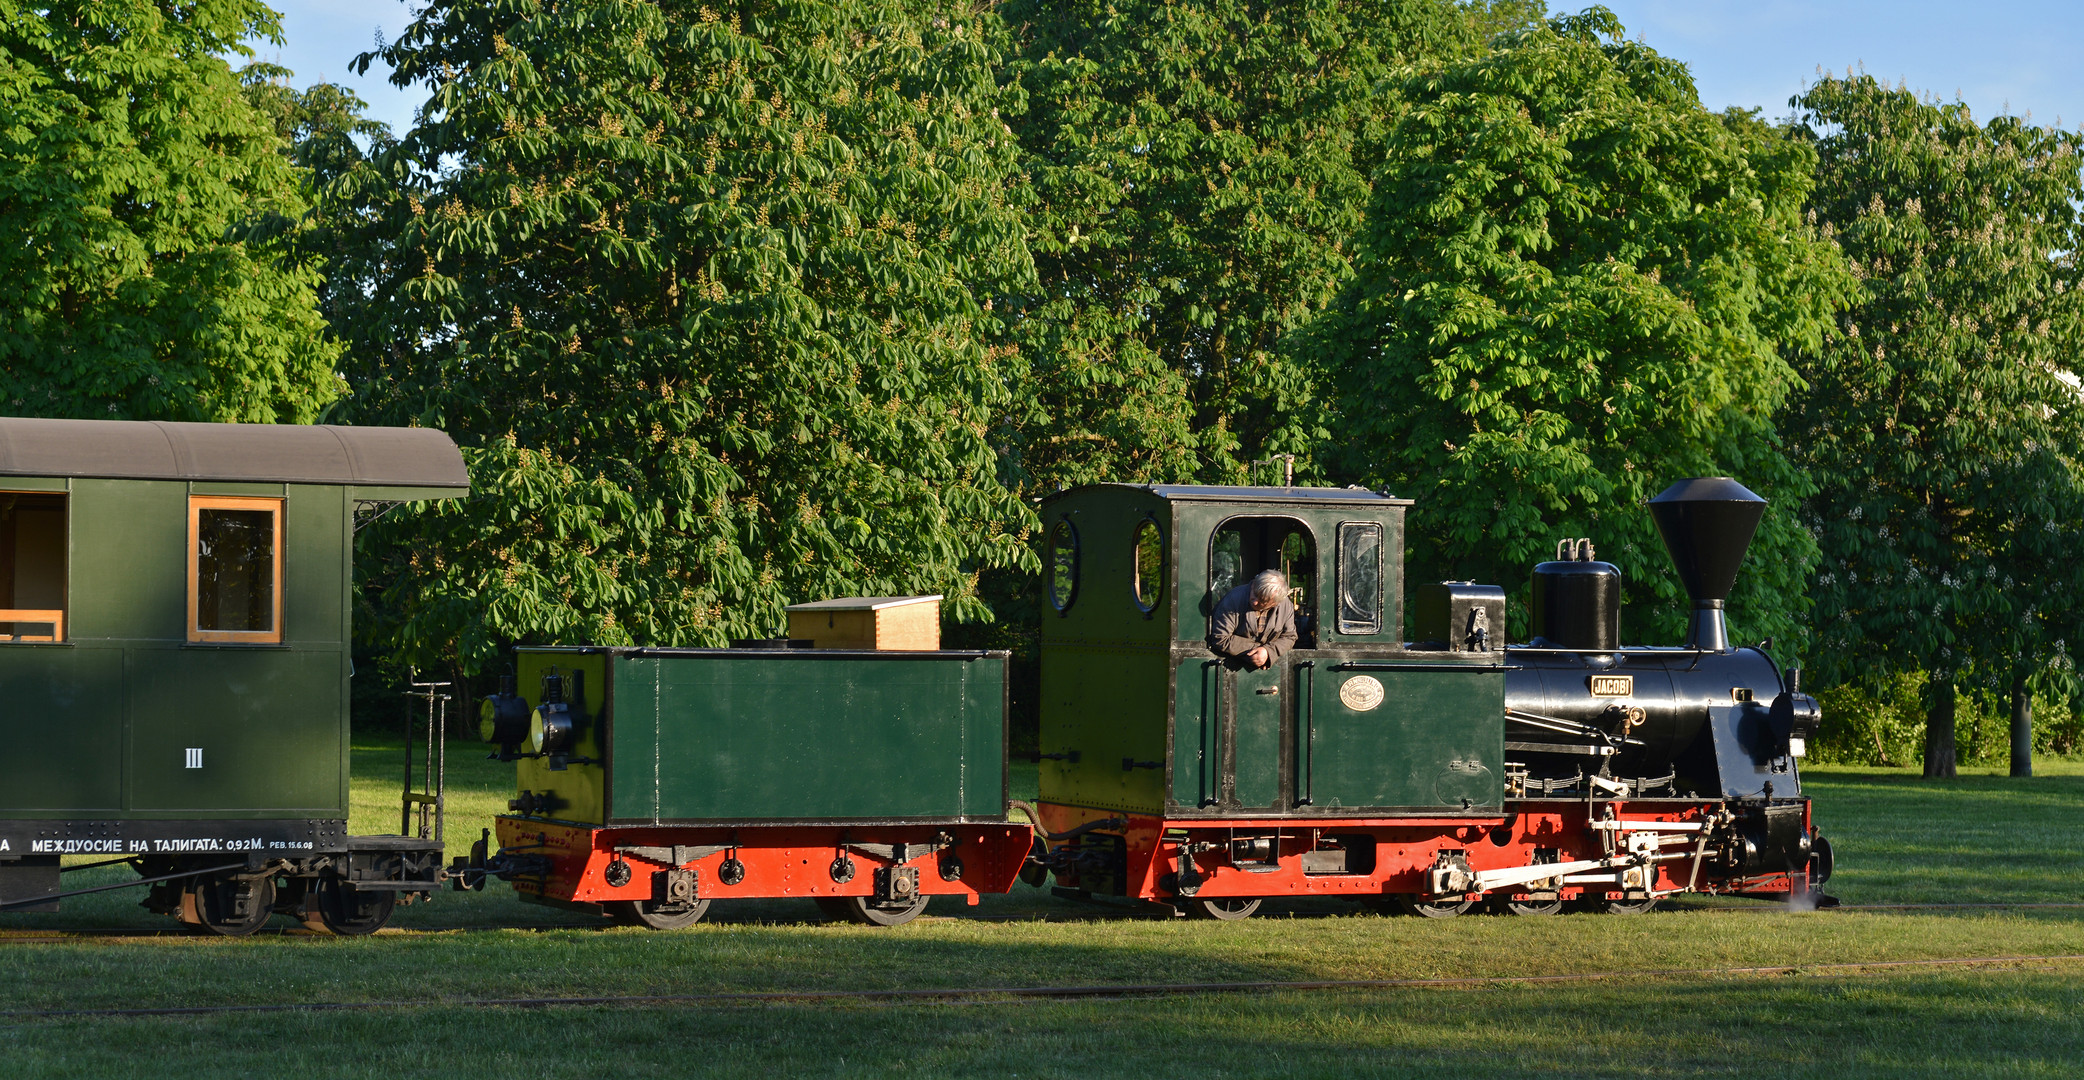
<point x="234" y="570"/>
<point x="32" y="566"/>
<point x="1063" y="565"/>
<point x="1243" y="547"/>
<point x="1360" y="577"/>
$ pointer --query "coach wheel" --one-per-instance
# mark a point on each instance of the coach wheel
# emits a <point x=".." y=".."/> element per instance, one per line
<point x="1507" y="905"/>
<point x="1433" y="909"/>
<point x="335" y="907"/>
<point x="866" y="911"/>
<point x="233" y="906"/>
<point x="1225" y="908"/>
<point x="656" y="914"/>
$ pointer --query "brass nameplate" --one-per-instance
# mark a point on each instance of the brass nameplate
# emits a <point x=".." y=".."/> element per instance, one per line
<point x="1613" y="685"/>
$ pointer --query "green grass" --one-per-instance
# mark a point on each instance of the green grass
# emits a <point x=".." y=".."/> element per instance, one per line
<point x="1900" y="840"/>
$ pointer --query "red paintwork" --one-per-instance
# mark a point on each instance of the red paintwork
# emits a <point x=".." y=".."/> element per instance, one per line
<point x="1406" y="848"/>
<point x="780" y="860"/>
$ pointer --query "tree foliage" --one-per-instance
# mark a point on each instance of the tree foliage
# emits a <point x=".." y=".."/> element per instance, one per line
<point x="707" y="291"/>
<point x="149" y="272"/>
<point x="1942" y="422"/>
<point x="1198" y="170"/>
<point x="1575" y="286"/>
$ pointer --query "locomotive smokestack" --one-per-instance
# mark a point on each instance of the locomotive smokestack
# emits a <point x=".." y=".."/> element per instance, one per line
<point x="1707" y="523"/>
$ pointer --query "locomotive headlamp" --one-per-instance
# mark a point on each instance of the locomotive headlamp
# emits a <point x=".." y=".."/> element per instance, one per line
<point x="550" y="727"/>
<point x="503" y="717"/>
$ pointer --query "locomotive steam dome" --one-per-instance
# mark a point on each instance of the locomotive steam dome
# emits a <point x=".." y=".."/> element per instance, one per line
<point x="1577" y="601"/>
<point x="1707" y="523"/>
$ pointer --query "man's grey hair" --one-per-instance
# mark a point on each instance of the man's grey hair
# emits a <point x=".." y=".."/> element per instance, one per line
<point x="1270" y="585"/>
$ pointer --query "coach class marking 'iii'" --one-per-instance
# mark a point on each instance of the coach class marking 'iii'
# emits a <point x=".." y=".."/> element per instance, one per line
<point x="174" y="645"/>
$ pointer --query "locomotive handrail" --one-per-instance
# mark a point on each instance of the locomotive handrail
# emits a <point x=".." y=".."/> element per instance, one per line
<point x="1378" y="665"/>
<point x="1309" y="734"/>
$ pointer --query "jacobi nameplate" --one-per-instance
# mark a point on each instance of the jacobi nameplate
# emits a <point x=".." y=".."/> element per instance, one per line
<point x="1613" y="685"/>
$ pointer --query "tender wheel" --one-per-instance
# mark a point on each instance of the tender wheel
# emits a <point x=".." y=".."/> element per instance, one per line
<point x="1224" y="908"/>
<point x="1432" y="909"/>
<point x="336" y="907"/>
<point x="232" y="906"/>
<point x="1506" y="905"/>
<point x="866" y="911"/>
<point x="656" y="915"/>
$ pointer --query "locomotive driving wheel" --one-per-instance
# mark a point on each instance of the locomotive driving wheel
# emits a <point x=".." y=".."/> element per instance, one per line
<point x="1224" y="908"/>
<point x="868" y="911"/>
<point x="231" y="905"/>
<point x="336" y="907"/>
<point x="1433" y="909"/>
<point x="1530" y="906"/>
<point x="657" y="914"/>
<point x="1634" y="905"/>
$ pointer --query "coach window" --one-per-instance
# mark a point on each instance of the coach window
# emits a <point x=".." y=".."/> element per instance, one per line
<point x="1360" y="577"/>
<point x="32" y="567"/>
<point x="234" y="570"/>
<point x="1063" y="565"/>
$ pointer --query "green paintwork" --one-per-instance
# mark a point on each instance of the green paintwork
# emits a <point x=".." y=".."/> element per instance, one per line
<point x="810" y="735"/>
<point x="1256" y="757"/>
<point x="101" y="724"/>
<point x="1437" y="737"/>
<point x="1118" y="683"/>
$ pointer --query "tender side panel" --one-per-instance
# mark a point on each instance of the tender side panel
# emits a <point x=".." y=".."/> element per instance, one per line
<point x="736" y="736"/>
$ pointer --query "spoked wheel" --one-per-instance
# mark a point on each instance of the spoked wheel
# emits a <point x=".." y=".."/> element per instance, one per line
<point x="336" y="907"/>
<point x="1531" y="906"/>
<point x="1224" y="908"/>
<point x="655" y="914"/>
<point x="866" y="911"/>
<point x="232" y="906"/>
<point x="1634" y="906"/>
<point x="1433" y="909"/>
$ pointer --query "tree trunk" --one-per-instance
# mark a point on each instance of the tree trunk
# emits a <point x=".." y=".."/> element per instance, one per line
<point x="2022" y="725"/>
<point x="1939" y="728"/>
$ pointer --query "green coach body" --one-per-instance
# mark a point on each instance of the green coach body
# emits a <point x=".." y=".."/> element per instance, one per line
<point x="175" y="601"/>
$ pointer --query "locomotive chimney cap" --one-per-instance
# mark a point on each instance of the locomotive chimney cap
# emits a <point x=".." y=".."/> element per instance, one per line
<point x="1707" y="523"/>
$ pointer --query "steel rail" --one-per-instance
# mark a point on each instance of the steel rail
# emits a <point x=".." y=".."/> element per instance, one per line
<point x="36" y="935"/>
<point x="964" y="995"/>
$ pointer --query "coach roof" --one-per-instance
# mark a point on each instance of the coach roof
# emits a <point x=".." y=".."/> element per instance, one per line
<point x="386" y="457"/>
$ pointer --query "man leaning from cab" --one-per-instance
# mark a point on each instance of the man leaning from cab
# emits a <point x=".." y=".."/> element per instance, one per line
<point x="1255" y="623"/>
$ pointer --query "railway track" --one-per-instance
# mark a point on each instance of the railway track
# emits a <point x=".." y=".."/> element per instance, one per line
<point x="1001" y="994"/>
<point x="51" y="935"/>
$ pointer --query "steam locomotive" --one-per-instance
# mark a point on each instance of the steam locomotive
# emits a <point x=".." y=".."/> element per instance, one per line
<point x="1425" y="776"/>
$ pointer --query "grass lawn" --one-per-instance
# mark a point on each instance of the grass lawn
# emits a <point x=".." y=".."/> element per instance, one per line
<point x="1899" y="839"/>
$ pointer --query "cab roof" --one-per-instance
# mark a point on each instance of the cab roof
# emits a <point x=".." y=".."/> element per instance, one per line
<point x="1214" y="493"/>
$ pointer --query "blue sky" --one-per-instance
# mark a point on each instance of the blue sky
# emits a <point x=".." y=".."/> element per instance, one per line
<point x="2013" y="56"/>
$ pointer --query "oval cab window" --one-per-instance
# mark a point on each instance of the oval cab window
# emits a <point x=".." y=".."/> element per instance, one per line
<point x="1149" y="581"/>
<point x="1063" y="565"/>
